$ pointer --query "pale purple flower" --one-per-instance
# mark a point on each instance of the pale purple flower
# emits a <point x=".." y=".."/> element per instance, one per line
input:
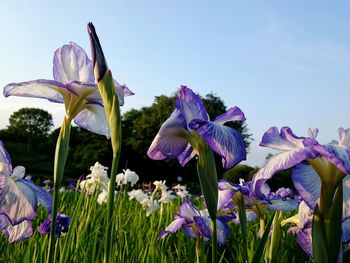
<point x="74" y="85"/>
<point x="189" y="123"/>
<point x="195" y="222"/>
<point x="333" y="157"/>
<point x="19" y="199"/>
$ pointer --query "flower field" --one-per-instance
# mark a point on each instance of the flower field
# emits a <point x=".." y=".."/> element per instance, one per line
<point x="135" y="239"/>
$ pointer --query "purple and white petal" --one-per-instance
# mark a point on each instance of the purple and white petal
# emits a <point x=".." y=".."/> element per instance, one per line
<point x="189" y="231"/>
<point x="284" y="141"/>
<point x="186" y="155"/>
<point x="173" y="227"/>
<point x="224" y="184"/>
<point x="225" y="200"/>
<point x="308" y="184"/>
<point x="87" y="90"/>
<point x="304" y="240"/>
<point x="170" y="141"/>
<point x="17" y="201"/>
<point x="72" y="63"/>
<point x="41" y="88"/>
<point x="187" y="210"/>
<point x="93" y="118"/>
<point x="346" y="197"/>
<point x="223" y="232"/>
<point x="225" y="141"/>
<point x="346" y="231"/>
<point x="5" y="161"/>
<point x="122" y="91"/>
<point x="19" y="232"/>
<point x="279" y="162"/>
<point x="203" y="225"/>
<point x="190" y="105"/>
<point x="43" y="197"/>
<point x="233" y="114"/>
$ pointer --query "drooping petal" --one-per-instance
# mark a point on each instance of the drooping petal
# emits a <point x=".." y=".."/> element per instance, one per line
<point x="346" y="231"/>
<point x="87" y="90"/>
<point x="233" y="114"/>
<point x="43" y="197"/>
<point x="223" y="232"/>
<point x="17" y="201"/>
<point x="187" y="210"/>
<point x="304" y="240"/>
<point x="203" y="225"/>
<point x="308" y="184"/>
<point x="346" y="197"/>
<point x="190" y="105"/>
<point x="189" y="231"/>
<point x="93" y="118"/>
<point x="169" y="142"/>
<point x="72" y="63"/>
<point x="225" y="199"/>
<point x="279" y="162"/>
<point x="173" y="227"/>
<point x="122" y="91"/>
<point x="41" y="88"/>
<point x="224" y="184"/>
<point x="18" y="232"/>
<point x="225" y="141"/>
<point x="5" y="161"/>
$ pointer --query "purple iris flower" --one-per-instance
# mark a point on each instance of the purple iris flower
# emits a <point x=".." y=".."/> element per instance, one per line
<point x="330" y="159"/>
<point x="197" y="223"/>
<point x="74" y="85"/>
<point x="281" y="200"/>
<point x="62" y="225"/>
<point x="181" y="134"/>
<point x="19" y="199"/>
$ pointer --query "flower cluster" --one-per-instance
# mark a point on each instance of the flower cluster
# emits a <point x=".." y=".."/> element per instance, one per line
<point x="97" y="180"/>
<point x="127" y="177"/>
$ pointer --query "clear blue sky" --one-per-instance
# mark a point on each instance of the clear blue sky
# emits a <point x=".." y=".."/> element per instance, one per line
<point x="281" y="62"/>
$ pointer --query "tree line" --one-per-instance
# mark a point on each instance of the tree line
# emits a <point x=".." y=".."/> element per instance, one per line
<point x="31" y="142"/>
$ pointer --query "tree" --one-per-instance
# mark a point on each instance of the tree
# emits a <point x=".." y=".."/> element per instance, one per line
<point x="30" y="124"/>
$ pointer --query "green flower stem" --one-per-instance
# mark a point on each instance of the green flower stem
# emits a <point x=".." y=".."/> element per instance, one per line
<point x="206" y="170"/>
<point x="198" y="249"/>
<point x="111" y="106"/>
<point x="61" y="154"/>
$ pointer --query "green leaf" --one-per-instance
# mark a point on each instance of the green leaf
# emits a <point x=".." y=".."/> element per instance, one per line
<point x="319" y="247"/>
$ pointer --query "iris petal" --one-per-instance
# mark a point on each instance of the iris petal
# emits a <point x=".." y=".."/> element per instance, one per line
<point x="43" y="197"/>
<point x="18" y="232"/>
<point x="225" y="141"/>
<point x="5" y="161"/>
<point x="173" y="227"/>
<point x="284" y="141"/>
<point x="308" y="183"/>
<point x="93" y="118"/>
<point x="190" y="105"/>
<point x="283" y="205"/>
<point x="169" y="142"/>
<point x="233" y="114"/>
<point x="122" y="91"/>
<point x="187" y="210"/>
<point x="203" y="225"/>
<point x="17" y="201"/>
<point x="186" y="155"/>
<point x="72" y="63"/>
<point x="41" y="88"/>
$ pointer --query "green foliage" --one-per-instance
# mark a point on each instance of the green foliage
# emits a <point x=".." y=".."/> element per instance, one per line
<point x="30" y="124"/>
<point x="243" y="171"/>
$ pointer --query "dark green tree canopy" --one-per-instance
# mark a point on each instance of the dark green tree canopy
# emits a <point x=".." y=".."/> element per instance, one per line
<point x="31" y="123"/>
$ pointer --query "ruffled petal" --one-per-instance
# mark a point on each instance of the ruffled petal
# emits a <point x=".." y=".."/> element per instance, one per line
<point x="189" y="231"/>
<point x="308" y="184"/>
<point x="41" y="88"/>
<point x="187" y="210"/>
<point x="223" y="231"/>
<point x="71" y="63"/>
<point x="169" y="142"/>
<point x="43" y="197"/>
<point x="190" y="105"/>
<point x="284" y="141"/>
<point x="233" y="114"/>
<point x="225" y="199"/>
<point x="5" y="161"/>
<point x="224" y="184"/>
<point x="173" y="227"/>
<point x="93" y="118"/>
<point x="17" y="201"/>
<point x="88" y="90"/>
<point x="122" y="91"/>
<point x="225" y="141"/>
